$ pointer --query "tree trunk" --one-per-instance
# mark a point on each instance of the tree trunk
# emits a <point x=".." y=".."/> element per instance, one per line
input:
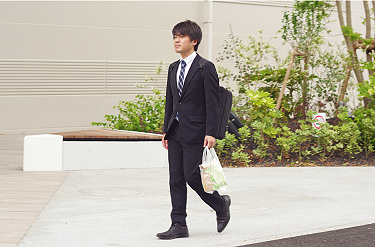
<point x="282" y="90"/>
<point x="356" y="69"/>
<point x="348" y="10"/>
<point x="345" y="84"/>
<point x="305" y="103"/>
<point x="349" y="43"/>
<point x="342" y="23"/>
<point x="366" y="100"/>
<point x="343" y="88"/>
<point x="368" y="33"/>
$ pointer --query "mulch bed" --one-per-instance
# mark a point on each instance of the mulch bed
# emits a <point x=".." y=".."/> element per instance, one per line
<point x="292" y="160"/>
<point x="335" y="160"/>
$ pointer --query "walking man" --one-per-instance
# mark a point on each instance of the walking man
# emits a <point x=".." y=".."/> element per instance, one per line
<point x="190" y="124"/>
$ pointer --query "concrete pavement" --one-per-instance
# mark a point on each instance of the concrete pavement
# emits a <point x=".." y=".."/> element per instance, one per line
<point x="127" y="207"/>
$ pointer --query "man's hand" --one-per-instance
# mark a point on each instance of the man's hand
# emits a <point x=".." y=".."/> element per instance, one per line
<point x="164" y="142"/>
<point x="209" y="141"/>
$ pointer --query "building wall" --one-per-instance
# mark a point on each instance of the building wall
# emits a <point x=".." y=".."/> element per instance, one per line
<point x="64" y="64"/>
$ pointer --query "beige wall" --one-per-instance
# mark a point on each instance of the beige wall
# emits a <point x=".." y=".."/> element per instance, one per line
<point x="66" y="64"/>
<point x="124" y="30"/>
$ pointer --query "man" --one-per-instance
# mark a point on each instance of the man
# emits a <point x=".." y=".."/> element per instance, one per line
<point x="190" y="124"/>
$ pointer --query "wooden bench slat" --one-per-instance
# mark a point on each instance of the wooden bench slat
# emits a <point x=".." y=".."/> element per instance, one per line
<point x="108" y="134"/>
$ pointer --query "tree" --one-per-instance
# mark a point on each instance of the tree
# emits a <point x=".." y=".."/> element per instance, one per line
<point x="355" y="41"/>
<point x="303" y="27"/>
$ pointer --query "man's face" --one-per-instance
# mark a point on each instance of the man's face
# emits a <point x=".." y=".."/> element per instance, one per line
<point x="183" y="44"/>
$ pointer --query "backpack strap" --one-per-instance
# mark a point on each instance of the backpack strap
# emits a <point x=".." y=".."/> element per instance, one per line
<point x="201" y="63"/>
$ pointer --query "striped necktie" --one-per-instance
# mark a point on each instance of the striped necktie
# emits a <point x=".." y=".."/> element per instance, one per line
<point x="180" y="83"/>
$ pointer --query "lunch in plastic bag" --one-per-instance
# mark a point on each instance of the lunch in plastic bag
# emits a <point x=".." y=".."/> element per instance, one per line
<point x="212" y="173"/>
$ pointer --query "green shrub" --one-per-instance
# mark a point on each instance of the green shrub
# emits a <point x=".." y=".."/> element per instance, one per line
<point x="144" y="114"/>
<point x="365" y="120"/>
<point x="219" y="147"/>
<point x="223" y="147"/>
<point x="348" y="133"/>
<point x="245" y="134"/>
<point x="368" y="133"/>
<point x="260" y="138"/>
<point x="304" y="137"/>
<point x="228" y="147"/>
<point x="287" y="141"/>
<point x="262" y="117"/>
<point x="240" y="156"/>
<point x="326" y="141"/>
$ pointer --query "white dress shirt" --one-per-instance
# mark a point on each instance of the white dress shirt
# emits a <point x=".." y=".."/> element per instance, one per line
<point x="188" y="60"/>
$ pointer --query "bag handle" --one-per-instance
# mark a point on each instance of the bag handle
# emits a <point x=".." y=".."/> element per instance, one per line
<point x="208" y="155"/>
<point x="213" y="154"/>
<point x="207" y="151"/>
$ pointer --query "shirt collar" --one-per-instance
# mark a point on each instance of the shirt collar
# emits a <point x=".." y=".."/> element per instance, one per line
<point x="190" y="58"/>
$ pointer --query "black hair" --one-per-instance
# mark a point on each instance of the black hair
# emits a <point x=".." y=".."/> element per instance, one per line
<point x="189" y="28"/>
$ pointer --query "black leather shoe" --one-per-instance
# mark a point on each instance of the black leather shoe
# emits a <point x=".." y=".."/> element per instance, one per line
<point x="175" y="231"/>
<point x="223" y="216"/>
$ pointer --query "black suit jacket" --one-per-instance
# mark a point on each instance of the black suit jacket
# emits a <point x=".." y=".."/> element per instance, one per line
<point x="198" y="106"/>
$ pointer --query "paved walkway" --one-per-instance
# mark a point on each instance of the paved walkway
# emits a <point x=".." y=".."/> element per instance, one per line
<point x="127" y="207"/>
<point x="23" y="195"/>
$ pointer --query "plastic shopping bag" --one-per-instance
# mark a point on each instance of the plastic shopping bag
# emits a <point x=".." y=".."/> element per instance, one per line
<point x="212" y="173"/>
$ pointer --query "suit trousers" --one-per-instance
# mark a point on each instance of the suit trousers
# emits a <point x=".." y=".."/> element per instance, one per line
<point x="184" y="160"/>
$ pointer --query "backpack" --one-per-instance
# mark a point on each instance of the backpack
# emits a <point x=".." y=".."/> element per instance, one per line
<point x="225" y="105"/>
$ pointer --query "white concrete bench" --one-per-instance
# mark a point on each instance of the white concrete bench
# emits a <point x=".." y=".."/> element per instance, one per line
<point x="93" y="149"/>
